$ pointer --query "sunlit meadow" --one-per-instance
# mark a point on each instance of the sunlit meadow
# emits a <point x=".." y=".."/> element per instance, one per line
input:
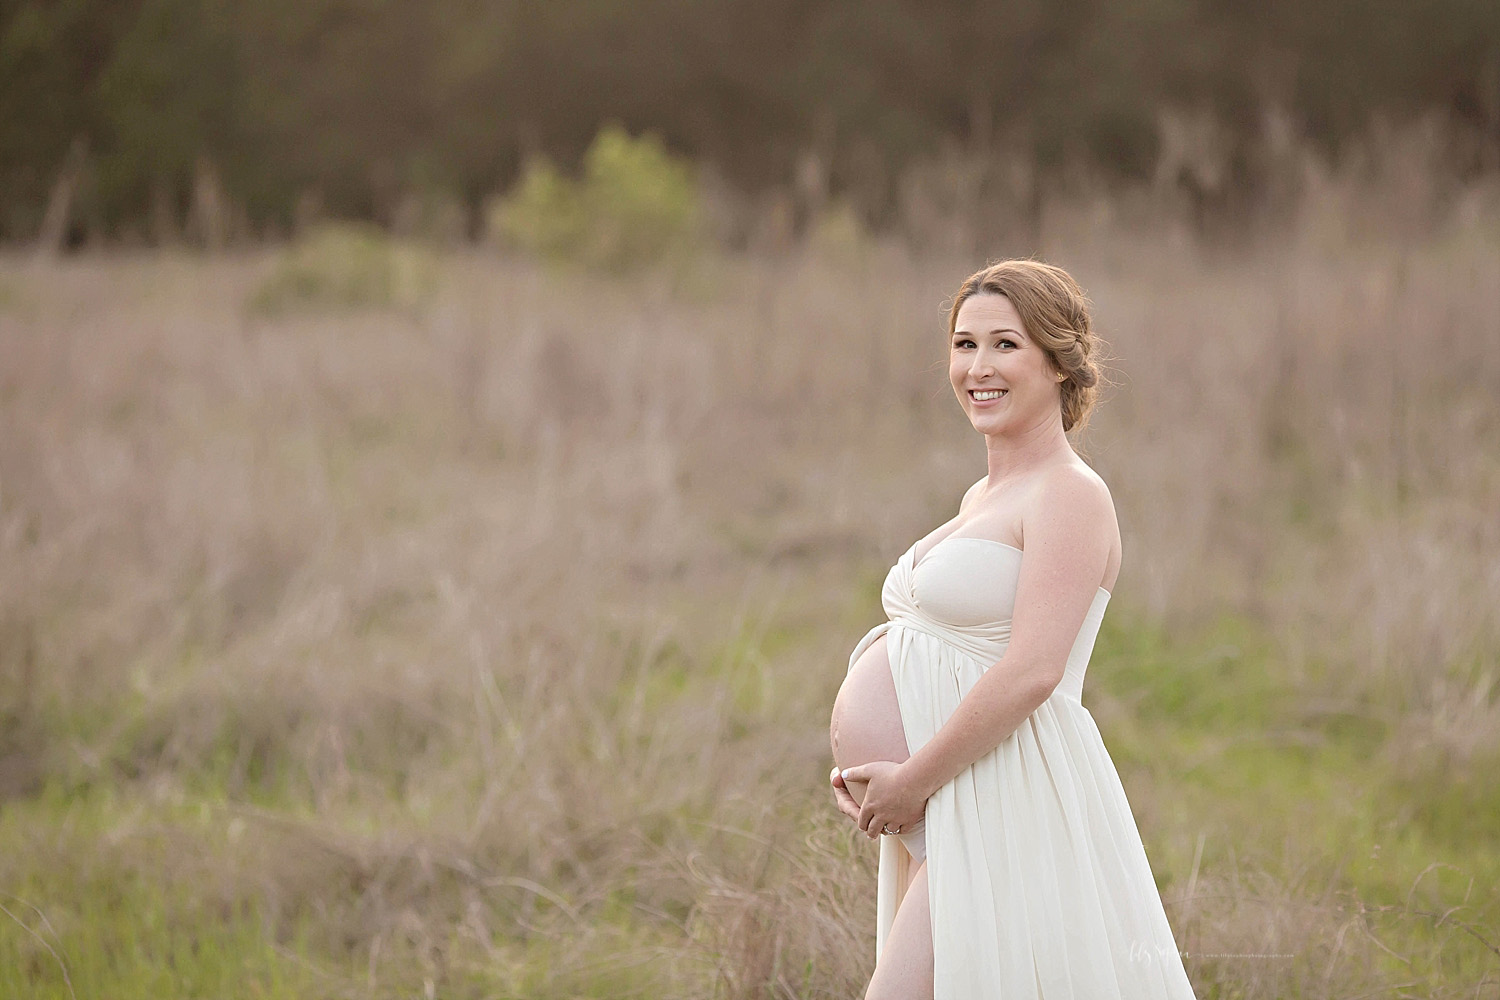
<point x="470" y="631"/>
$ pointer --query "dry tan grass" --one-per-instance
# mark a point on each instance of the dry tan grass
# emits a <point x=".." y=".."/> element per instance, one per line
<point x="532" y="604"/>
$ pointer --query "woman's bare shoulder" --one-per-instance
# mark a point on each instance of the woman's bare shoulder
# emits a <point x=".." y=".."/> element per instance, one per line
<point x="1075" y="479"/>
<point x="1073" y="493"/>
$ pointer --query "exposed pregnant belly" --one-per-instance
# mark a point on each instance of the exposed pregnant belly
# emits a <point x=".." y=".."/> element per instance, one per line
<point x="866" y="721"/>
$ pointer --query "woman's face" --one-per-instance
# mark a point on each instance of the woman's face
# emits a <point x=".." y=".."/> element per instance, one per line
<point x="1002" y="378"/>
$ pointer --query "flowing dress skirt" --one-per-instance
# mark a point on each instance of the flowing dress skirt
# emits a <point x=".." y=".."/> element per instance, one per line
<point x="1037" y="877"/>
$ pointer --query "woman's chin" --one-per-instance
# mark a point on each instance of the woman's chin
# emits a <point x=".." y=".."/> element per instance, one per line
<point x="989" y="428"/>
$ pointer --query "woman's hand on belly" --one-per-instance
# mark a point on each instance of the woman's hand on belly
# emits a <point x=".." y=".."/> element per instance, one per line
<point x="892" y="800"/>
<point x="842" y="797"/>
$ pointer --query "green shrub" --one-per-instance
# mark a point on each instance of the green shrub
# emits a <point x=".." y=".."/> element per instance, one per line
<point x="543" y="214"/>
<point x="345" y="266"/>
<point x="635" y="205"/>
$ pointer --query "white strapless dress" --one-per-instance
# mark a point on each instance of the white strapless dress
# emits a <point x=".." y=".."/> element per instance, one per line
<point x="1037" y="877"/>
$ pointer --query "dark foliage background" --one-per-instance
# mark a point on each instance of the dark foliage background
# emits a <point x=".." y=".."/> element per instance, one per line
<point x="344" y="106"/>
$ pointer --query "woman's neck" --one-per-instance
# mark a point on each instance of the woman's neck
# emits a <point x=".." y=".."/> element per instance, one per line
<point x="1011" y="457"/>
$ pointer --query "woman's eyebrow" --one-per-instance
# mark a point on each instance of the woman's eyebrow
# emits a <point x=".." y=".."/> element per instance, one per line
<point x="1003" y="329"/>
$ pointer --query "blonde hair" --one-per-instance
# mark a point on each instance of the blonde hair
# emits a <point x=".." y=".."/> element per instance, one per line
<point x="1055" y="313"/>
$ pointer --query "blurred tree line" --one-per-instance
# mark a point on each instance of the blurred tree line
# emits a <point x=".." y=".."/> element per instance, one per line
<point x="207" y="119"/>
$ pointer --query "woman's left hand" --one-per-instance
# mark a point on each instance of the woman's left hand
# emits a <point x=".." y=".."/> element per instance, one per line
<point x="892" y="800"/>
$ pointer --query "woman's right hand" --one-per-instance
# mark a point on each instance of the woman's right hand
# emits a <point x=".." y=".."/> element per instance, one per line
<point x="841" y="796"/>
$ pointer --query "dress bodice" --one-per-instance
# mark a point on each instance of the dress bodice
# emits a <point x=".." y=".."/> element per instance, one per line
<point x="963" y="590"/>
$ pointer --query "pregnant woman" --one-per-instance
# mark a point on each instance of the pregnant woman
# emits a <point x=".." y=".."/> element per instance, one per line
<point x="1012" y="867"/>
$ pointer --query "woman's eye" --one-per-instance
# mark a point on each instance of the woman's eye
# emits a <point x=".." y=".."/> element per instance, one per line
<point x="963" y="343"/>
<point x="1010" y="343"/>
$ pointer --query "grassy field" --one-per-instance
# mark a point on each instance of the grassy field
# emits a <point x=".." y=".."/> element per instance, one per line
<point x="459" y="628"/>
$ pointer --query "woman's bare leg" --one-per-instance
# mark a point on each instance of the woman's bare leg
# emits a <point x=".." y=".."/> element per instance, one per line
<point x="904" y="971"/>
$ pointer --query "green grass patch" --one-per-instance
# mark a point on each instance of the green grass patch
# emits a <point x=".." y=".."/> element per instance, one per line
<point x="138" y="877"/>
<point x="1230" y="749"/>
<point x="1223" y="679"/>
<point x="103" y="902"/>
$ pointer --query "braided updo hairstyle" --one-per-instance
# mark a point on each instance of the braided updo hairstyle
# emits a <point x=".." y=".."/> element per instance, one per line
<point x="1055" y="313"/>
